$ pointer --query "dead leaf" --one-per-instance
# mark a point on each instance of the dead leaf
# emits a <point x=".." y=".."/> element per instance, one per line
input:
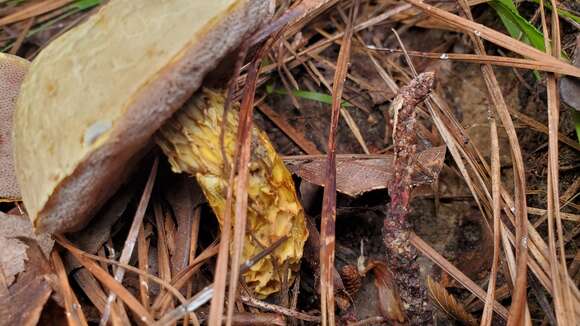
<point x="12" y="249"/>
<point x="25" y="299"/>
<point x="356" y="175"/>
<point x="25" y="305"/>
<point x="12" y="71"/>
<point x="35" y="266"/>
<point x="390" y="304"/>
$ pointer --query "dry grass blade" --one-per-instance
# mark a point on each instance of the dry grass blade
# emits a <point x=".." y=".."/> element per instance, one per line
<point x="33" y="10"/>
<point x="90" y="286"/>
<point x="108" y="281"/>
<point x="171" y="289"/>
<point x="132" y="237"/>
<point x="240" y="175"/>
<point x="328" y="215"/>
<point x="163" y="264"/>
<point x="74" y="313"/>
<point x="493" y="36"/>
<point x="563" y="303"/>
<point x="432" y="254"/>
<point x="519" y="303"/>
<point x="487" y="59"/>
<point x="448" y="304"/>
<point x="496" y="210"/>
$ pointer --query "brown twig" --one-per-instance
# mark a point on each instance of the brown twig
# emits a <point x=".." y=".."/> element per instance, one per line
<point x="33" y="10"/>
<point x="396" y="229"/>
<point x="18" y="43"/>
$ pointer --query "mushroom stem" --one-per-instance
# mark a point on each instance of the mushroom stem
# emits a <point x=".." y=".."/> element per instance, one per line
<point x="191" y="141"/>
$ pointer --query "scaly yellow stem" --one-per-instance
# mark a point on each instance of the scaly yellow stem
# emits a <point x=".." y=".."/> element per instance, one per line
<point x="191" y="141"/>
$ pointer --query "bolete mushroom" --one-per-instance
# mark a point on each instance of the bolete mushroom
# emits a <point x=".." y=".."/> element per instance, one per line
<point x="12" y="72"/>
<point x="94" y="97"/>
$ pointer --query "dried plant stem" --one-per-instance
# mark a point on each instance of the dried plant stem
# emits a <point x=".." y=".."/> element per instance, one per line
<point x="401" y="255"/>
<point x="239" y="172"/>
<point x="328" y="217"/>
<point x="496" y="208"/>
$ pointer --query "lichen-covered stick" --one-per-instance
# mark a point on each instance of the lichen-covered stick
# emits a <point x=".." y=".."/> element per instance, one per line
<point x="401" y="254"/>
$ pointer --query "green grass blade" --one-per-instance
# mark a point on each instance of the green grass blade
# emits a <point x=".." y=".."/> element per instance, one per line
<point x="561" y="12"/>
<point x="307" y="95"/>
<point x="517" y="26"/>
<point x="576" y="115"/>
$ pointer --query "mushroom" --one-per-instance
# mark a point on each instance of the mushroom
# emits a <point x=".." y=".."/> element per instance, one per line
<point x="94" y="97"/>
<point x="12" y="71"/>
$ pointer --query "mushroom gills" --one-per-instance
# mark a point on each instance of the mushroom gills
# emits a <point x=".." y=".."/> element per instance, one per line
<point x="191" y="141"/>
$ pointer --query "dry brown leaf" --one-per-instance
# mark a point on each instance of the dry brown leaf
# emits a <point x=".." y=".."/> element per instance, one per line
<point x="23" y="307"/>
<point x="35" y="266"/>
<point x="12" y="71"/>
<point x="13" y="250"/>
<point x="448" y="304"/>
<point x="390" y="303"/>
<point x="355" y="176"/>
<point x="24" y="301"/>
